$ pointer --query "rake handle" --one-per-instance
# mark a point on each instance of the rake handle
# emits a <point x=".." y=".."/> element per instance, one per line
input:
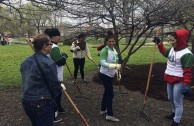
<point x="149" y="75"/>
<point x="89" y="58"/>
<point x="74" y="79"/>
<point x="30" y="44"/>
<point x="150" y="71"/>
<point x="118" y="79"/>
<point x="74" y="106"/>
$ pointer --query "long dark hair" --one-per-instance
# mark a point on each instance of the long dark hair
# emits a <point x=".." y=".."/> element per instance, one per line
<point x="174" y="35"/>
<point x="108" y="36"/>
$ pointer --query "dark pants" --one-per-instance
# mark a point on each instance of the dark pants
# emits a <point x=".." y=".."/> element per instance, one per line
<point x="79" y="63"/>
<point x="39" y="112"/>
<point x="58" y="101"/>
<point x="108" y="95"/>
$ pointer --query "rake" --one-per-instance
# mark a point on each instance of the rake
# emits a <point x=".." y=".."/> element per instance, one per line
<point x="142" y="112"/>
<point x="78" y="88"/>
<point x="74" y="106"/>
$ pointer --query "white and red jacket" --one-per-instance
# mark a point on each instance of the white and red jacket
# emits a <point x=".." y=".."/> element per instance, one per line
<point x="180" y="60"/>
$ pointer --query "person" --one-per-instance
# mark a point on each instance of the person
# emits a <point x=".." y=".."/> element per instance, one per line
<point x="109" y="67"/>
<point x="99" y="48"/>
<point x="178" y="73"/>
<point x="80" y="49"/>
<point x="59" y="59"/>
<point x="39" y="88"/>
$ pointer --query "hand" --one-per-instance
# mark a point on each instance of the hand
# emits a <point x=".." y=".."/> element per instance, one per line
<point x="156" y="40"/>
<point x="77" y="47"/>
<point x="118" y="66"/>
<point x="186" y="90"/>
<point x="118" y="75"/>
<point x="63" y="86"/>
<point x="90" y="58"/>
<point x="114" y="66"/>
<point x="64" y="55"/>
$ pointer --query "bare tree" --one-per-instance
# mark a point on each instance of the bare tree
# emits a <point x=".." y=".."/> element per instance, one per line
<point x="129" y="19"/>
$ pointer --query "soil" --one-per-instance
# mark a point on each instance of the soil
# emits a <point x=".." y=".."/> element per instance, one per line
<point x="127" y="104"/>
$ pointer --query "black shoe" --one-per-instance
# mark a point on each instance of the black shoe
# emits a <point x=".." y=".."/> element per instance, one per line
<point x="174" y="123"/>
<point x="61" y="110"/>
<point x="170" y="117"/>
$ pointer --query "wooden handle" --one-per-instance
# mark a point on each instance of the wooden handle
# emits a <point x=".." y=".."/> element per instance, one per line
<point x="74" y="106"/>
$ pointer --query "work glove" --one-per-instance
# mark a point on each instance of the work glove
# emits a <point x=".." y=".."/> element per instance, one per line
<point x="114" y="66"/>
<point x="98" y="53"/>
<point x="77" y="47"/>
<point x="156" y="40"/>
<point x="63" y="86"/>
<point x="186" y="90"/>
<point x="90" y="58"/>
<point x="64" y="55"/>
<point x="118" y="75"/>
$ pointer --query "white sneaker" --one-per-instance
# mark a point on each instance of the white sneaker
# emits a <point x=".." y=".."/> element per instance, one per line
<point x="112" y="118"/>
<point x="103" y="112"/>
<point x="56" y="120"/>
<point x="56" y="114"/>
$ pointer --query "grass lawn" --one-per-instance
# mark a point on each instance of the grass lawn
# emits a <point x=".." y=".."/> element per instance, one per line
<point x="12" y="56"/>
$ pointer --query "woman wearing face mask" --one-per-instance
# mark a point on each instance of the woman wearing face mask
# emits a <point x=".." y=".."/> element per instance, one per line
<point x="109" y="67"/>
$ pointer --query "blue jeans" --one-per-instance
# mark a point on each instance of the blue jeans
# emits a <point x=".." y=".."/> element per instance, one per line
<point x="107" y="98"/>
<point x="40" y="113"/>
<point x="175" y="97"/>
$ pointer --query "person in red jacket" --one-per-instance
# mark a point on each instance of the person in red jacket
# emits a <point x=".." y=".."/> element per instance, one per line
<point x="178" y="73"/>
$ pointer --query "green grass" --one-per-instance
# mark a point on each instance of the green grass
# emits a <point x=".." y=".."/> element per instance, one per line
<point x="144" y="56"/>
<point x="12" y="56"/>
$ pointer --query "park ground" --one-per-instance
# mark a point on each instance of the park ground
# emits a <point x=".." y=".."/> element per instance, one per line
<point x="127" y="104"/>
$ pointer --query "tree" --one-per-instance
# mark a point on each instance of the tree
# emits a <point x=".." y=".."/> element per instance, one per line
<point x="130" y="19"/>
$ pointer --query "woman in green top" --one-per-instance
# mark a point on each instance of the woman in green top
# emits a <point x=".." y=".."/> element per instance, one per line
<point x="109" y="66"/>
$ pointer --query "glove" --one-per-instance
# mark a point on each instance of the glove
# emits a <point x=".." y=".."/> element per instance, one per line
<point x="77" y="47"/>
<point x="156" y="40"/>
<point x="63" y="86"/>
<point x="118" y="75"/>
<point x="186" y="90"/>
<point x="114" y="66"/>
<point x="64" y="55"/>
<point x="90" y="58"/>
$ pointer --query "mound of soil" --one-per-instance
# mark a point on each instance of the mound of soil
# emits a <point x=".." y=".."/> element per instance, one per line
<point x="127" y="102"/>
<point x="135" y="77"/>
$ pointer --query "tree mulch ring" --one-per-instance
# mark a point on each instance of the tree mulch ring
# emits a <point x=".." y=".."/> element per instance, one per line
<point x="127" y="102"/>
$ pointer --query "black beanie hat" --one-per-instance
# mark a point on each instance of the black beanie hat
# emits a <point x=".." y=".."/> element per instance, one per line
<point x="52" y="32"/>
<point x="80" y="35"/>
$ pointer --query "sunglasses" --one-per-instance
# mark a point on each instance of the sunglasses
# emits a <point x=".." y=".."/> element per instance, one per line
<point x="50" y="44"/>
